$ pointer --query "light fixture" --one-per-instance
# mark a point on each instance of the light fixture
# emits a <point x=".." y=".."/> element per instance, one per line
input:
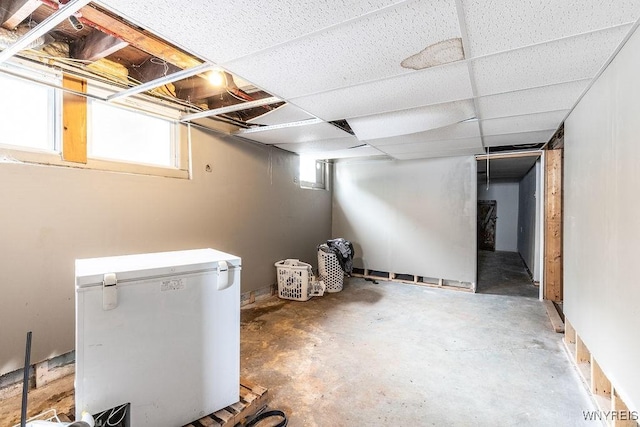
<point x="216" y="78"/>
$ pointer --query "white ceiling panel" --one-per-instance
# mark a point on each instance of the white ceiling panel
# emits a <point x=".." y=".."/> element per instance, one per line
<point x="367" y="49"/>
<point x="495" y="26"/>
<point x="470" y="129"/>
<point x="364" y="151"/>
<point x="518" y="138"/>
<point x="325" y="145"/>
<point x="421" y="147"/>
<point x="434" y="154"/>
<point x="286" y="113"/>
<point x="221" y="31"/>
<point x="419" y="88"/>
<point x="555" y="62"/>
<point x="295" y="134"/>
<point x="412" y="121"/>
<point x="547" y="98"/>
<point x="526" y="123"/>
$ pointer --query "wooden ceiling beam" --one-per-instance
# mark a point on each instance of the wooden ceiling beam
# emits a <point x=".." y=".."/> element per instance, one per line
<point x="98" y="45"/>
<point x="18" y="11"/>
<point x="137" y="38"/>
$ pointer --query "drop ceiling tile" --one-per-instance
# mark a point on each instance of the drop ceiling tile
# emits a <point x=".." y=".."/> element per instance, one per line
<point x="547" y="98"/>
<point x="519" y="138"/>
<point x="322" y="146"/>
<point x="466" y="130"/>
<point x="430" y="86"/>
<point x="549" y="63"/>
<point x="364" y="151"/>
<point x="222" y="31"/>
<point x="295" y="134"/>
<point x="286" y="113"/>
<point x="434" y="154"/>
<point x="367" y="49"/>
<point x="435" y="146"/>
<point x="412" y="120"/>
<point x="494" y="26"/>
<point x="526" y="123"/>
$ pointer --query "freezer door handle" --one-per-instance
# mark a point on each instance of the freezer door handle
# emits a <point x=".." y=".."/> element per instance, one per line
<point x="109" y="291"/>
<point x="223" y="275"/>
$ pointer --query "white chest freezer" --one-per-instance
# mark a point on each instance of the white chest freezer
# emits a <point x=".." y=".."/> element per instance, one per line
<point x="160" y="331"/>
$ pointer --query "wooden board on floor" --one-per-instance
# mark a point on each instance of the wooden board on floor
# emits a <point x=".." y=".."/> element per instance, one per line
<point x="554" y="316"/>
<point x="59" y="395"/>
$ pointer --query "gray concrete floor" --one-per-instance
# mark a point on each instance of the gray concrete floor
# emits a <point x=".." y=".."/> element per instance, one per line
<point x="504" y="273"/>
<point x="404" y="355"/>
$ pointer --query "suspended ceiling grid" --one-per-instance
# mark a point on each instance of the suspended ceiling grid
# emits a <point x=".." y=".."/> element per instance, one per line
<point x="524" y="66"/>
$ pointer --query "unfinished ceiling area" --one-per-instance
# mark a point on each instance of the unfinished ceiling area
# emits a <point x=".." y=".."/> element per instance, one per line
<point x="408" y="79"/>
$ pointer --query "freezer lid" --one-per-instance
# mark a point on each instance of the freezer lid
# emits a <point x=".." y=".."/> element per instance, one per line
<point x="91" y="271"/>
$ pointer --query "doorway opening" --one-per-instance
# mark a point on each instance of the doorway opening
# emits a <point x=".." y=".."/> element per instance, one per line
<point x="509" y="224"/>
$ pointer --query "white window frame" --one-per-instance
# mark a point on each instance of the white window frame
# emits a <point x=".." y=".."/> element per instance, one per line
<point x="43" y="75"/>
<point x="322" y="180"/>
<point x="21" y="153"/>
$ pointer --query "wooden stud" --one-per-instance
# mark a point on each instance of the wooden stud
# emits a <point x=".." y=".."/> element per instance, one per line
<point x="623" y="417"/>
<point x="582" y="353"/>
<point x="553" y="226"/>
<point x="137" y="38"/>
<point x="18" y="11"/>
<point x="600" y="384"/>
<point x="74" y="121"/>
<point x="569" y="332"/>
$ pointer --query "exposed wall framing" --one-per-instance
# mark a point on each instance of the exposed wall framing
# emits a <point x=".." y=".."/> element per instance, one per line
<point x="612" y="408"/>
<point x="412" y="279"/>
<point x="553" y="226"/>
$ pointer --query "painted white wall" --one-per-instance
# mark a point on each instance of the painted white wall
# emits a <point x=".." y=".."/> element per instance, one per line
<point x="528" y="220"/>
<point x="602" y="221"/>
<point x="410" y="217"/>
<point x="506" y="196"/>
<point x="248" y="205"/>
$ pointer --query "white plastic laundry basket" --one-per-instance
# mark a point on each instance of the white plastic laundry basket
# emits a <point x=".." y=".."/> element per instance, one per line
<point x="296" y="281"/>
<point x="330" y="271"/>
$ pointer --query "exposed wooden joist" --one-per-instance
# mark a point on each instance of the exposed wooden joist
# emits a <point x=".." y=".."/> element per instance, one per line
<point x="98" y="45"/>
<point x="553" y="226"/>
<point x="136" y="38"/>
<point x="42" y="28"/>
<point x="18" y="11"/>
<point x="74" y="121"/>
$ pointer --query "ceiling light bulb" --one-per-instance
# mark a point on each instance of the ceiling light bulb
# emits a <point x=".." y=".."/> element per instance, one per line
<point x="216" y="78"/>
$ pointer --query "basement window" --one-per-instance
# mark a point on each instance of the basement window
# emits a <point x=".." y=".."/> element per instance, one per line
<point x="124" y="135"/>
<point x="27" y="112"/>
<point x="312" y="173"/>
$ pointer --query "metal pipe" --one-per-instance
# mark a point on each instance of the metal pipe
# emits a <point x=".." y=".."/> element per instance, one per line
<point x="25" y="381"/>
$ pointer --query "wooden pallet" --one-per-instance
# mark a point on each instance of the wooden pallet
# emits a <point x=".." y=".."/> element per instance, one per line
<point x="59" y="395"/>
<point x="252" y="398"/>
